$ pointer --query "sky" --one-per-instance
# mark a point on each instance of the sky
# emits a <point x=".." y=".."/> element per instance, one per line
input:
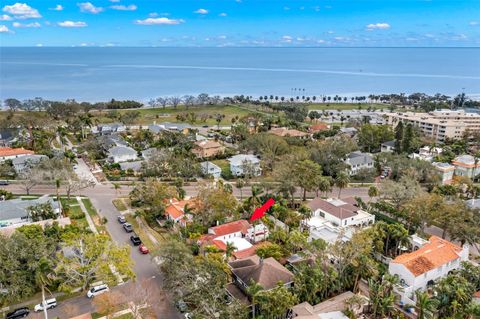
<point x="218" y="23"/>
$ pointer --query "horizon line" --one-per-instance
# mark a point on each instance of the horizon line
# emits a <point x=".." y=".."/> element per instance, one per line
<point x="246" y="47"/>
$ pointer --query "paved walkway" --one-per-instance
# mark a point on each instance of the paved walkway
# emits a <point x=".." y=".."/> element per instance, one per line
<point x="90" y="222"/>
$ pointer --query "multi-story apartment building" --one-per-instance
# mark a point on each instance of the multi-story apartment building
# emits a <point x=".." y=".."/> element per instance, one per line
<point x="438" y="124"/>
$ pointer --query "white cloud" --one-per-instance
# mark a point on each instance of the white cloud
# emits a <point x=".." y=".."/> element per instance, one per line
<point x="222" y="37"/>
<point x="22" y="11"/>
<point x="320" y="41"/>
<point x="473" y="23"/>
<point x="201" y="11"/>
<point x="4" y="29"/>
<point x="89" y="7"/>
<point x="286" y="8"/>
<point x="382" y="26"/>
<point x="58" y="7"/>
<point x="223" y="14"/>
<point x="72" y="24"/>
<point x="114" y="1"/>
<point x="159" y="21"/>
<point x="287" y="38"/>
<point x="27" y="25"/>
<point x="130" y="7"/>
<point x="39" y="45"/>
<point x="5" y="17"/>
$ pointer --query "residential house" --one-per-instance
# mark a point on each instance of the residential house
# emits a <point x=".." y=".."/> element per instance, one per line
<point x="105" y="129"/>
<point x="24" y="163"/>
<point x="173" y="127"/>
<point x="118" y="154"/>
<point x="208" y="168"/>
<point x="283" y="132"/>
<point x="350" y="131"/>
<point x="424" y="266"/>
<point x="135" y="166"/>
<point x="8" y="153"/>
<point x="445" y="171"/>
<point x="329" y="309"/>
<point x="358" y="160"/>
<point x="388" y="147"/>
<point x="15" y="211"/>
<point x="334" y="219"/>
<point x="319" y="127"/>
<point x="207" y="148"/>
<point x="466" y="165"/>
<point x="245" y="163"/>
<point x="427" y="153"/>
<point x="265" y="272"/>
<point x="240" y="233"/>
<point x="180" y="211"/>
<point x="8" y="136"/>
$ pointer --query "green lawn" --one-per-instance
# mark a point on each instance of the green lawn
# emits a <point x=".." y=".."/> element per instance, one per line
<point x="148" y="116"/>
<point x="346" y="106"/>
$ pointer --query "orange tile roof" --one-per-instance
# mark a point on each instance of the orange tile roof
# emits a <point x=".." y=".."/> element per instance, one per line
<point x="282" y="131"/>
<point x="230" y="228"/>
<point x="319" y="127"/>
<point x="176" y="208"/>
<point x="173" y="211"/>
<point x="430" y="256"/>
<point x="8" y="151"/>
<point x="208" y="144"/>
<point x="476" y="294"/>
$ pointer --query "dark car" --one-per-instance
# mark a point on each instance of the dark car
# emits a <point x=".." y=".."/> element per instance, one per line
<point x="3" y="182"/>
<point x="121" y="219"/>
<point x="135" y="240"/>
<point x="18" y="313"/>
<point x="128" y="227"/>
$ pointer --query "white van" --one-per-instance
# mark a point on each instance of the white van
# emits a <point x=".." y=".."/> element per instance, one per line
<point x="97" y="290"/>
<point x="49" y="303"/>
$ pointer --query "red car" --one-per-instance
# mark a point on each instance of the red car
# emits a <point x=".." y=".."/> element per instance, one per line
<point x="143" y="249"/>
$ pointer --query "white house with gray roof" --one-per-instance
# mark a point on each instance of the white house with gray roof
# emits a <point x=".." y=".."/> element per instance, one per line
<point x="357" y="161"/>
<point x="109" y="128"/>
<point x="118" y="154"/>
<point x="24" y="163"/>
<point x="15" y="211"/>
<point x="208" y="168"/>
<point x="239" y="163"/>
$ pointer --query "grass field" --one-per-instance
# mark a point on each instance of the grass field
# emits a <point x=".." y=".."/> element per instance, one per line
<point x="148" y="116"/>
<point x="346" y="106"/>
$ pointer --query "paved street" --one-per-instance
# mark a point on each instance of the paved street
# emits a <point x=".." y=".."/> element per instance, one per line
<point x="101" y="196"/>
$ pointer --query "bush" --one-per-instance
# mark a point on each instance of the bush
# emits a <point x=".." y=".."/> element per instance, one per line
<point x="76" y="214"/>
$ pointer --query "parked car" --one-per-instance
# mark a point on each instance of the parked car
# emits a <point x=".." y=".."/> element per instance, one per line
<point x="3" y="182"/>
<point x="49" y="304"/>
<point x="18" y="313"/>
<point x="135" y="239"/>
<point x="121" y="219"/>
<point x="97" y="290"/>
<point x="143" y="249"/>
<point x="128" y="227"/>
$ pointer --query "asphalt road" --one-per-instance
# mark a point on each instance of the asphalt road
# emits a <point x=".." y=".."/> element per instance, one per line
<point x="101" y="196"/>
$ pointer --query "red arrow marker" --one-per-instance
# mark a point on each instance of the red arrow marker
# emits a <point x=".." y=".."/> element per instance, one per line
<point x="260" y="212"/>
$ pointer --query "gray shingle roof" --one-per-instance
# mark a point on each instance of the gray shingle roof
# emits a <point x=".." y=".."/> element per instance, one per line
<point x="239" y="159"/>
<point x="358" y="158"/>
<point x="17" y="208"/>
<point x="121" y="150"/>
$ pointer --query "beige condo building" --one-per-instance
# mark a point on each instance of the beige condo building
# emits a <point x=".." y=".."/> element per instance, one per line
<point x="438" y="124"/>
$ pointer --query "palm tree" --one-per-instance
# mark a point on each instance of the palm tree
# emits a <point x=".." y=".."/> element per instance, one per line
<point x="117" y="187"/>
<point x="43" y="277"/>
<point x="425" y="305"/>
<point x="239" y="184"/>
<point x="57" y="186"/>
<point x="342" y="182"/>
<point x="252" y="290"/>
<point x="324" y="185"/>
<point x="229" y="250"/>
<point x="373" y="192"/>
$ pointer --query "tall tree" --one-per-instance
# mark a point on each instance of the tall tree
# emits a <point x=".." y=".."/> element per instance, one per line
<point x="342" y="182"/>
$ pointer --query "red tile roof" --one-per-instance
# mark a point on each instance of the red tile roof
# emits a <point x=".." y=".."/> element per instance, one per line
<point x="8" y="151"/>
<point x="319" y="127"/>
<point x="430" y="256"/>
<point x="230" y="228"/>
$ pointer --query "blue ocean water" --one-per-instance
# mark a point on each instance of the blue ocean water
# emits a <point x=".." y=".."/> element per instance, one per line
<point x="94" y="74"/>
